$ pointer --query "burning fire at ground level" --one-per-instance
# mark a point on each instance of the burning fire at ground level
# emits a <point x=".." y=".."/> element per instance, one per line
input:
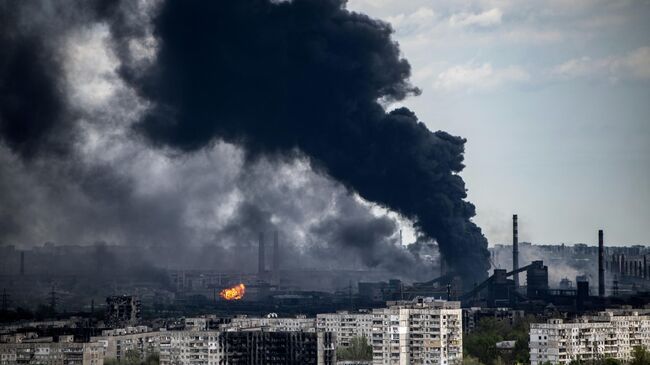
<point x="234" y="293"/>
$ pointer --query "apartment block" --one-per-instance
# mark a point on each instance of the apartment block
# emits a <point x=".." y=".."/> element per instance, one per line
<point x="346" y="326"/>
<point x="271" y="323"/>
<point x="610" y="334"/>
<point x="423" y="331"/>
<point x="45" y="351"/>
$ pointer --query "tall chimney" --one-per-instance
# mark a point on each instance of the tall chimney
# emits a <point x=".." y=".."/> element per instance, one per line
<point x="261" y="267"/>
<point x="22" y="263"/>
<point x="515" y="249"/>
<point x="601" y="268"/>
<point x="623" y="265"/>
<point x="646" y="274"/>
<point x="276" y="254"/>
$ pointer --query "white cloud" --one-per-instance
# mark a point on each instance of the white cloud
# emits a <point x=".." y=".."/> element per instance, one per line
<point x="479" y="77"/>
<point x="487" y="18"/>
<point x="422" y="16"/>
<point x="633" y="65"/>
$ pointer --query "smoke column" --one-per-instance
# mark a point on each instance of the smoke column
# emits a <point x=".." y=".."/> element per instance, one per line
<point x="307" y="77"/>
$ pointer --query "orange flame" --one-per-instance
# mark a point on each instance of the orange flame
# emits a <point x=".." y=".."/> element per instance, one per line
<point x="235" y="293"/>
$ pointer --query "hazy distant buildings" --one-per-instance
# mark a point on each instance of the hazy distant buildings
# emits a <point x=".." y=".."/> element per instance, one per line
<point x="611" y="334"/>
<point x="122" y="311"/>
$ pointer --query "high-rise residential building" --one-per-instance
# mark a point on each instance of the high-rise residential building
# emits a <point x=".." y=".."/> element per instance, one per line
<point x="46" y="351"/>
<point x="246" y="347"/>
<point x="231" y="346"/>
<point x="346" y="326"/>
<point x="423" y="331"/>
<point x="271" y="323"/>
<point x="610" y="334"/>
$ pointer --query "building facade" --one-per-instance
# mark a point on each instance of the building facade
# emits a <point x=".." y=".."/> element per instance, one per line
<point x="51" y="353"/>
<point x="423" y="331"/>
<point x="346" y="326"/>
<point x="271" y="323"/>
<point x="611" y="334"/>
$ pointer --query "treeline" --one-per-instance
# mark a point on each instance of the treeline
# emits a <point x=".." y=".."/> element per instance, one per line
<point x="133" y="357"/>
<point x="479" y="347"/>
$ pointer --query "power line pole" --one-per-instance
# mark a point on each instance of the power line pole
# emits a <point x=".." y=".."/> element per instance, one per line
<point x="5" y="300"/>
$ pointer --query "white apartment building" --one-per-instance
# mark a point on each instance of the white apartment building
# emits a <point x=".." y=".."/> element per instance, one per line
<point x="51" y="353"/>
<point x="346" y="326"/>
<point x="423" y="331"/>
<point x="271" y="323"/>
<point x="611" y="334"/>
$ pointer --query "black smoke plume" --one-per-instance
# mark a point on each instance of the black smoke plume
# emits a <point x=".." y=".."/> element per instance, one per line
<point x="30" y="103"/>
<point x="307" y="75"/>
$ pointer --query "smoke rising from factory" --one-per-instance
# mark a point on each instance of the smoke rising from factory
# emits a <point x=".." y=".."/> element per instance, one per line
<point x="265" y="115"/>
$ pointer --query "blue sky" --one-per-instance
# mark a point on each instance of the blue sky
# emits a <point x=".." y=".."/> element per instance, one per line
<point x="554" y="99"/>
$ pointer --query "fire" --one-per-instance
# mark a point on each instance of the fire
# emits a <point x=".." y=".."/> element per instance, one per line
<point x="235" y="293"/>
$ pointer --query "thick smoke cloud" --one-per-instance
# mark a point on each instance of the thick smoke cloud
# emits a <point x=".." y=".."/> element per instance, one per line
<point x="308" y="75"/>
<point x="31" y="106"/>
<point x="73" y="172"/>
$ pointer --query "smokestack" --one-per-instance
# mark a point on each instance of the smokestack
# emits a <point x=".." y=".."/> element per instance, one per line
<point x="261" y="267"/>
<point x="22" y="263"/>
<point x="623" y="265"/>
<point x="276" y="254"/>
<point x="601" y="268"/>
<point x="645" y="267"/>
<point x="515" y="249"/>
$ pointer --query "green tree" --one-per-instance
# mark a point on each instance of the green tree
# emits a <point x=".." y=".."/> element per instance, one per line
<point x="152" y="359"/>
<point x="610" y="361"/>
<point x="358" y="350"/>
<point x="132" y="357"/>
<point x="481" y="343"/>
<point x="471" y="360"/>
<point x="640" y="356"/>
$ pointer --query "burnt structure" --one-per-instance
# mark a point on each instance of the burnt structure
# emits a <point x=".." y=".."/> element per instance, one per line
<point x="277" y="348"/>
<point x="122" y="311"/>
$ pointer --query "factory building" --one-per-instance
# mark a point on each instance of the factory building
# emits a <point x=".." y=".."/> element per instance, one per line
<point x="423" y="331"/>
<point x="611" y="334"/>
<point x="346" y="326"/>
